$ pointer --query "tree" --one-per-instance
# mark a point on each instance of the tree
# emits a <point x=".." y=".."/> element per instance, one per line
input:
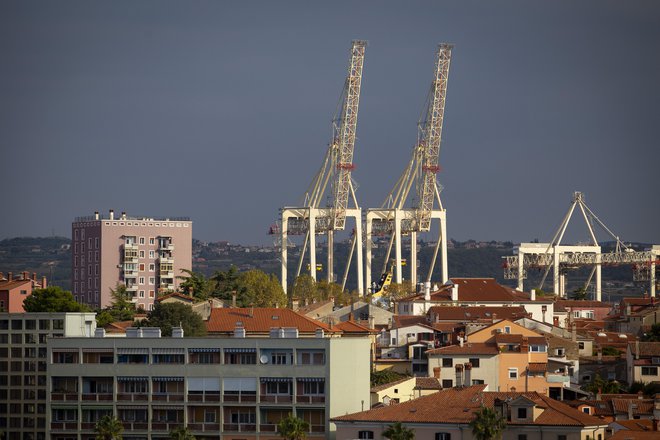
<point x="399" y="432"/>
<point x="226" y="283"/>
<point x="305" y="289"/>
<point x="487" y="424"/>
<point x="385" y="376"/>
<point x="170" y="315"/>
<point x="603" y="386"/>
<point x="256" y="288"/>
<point x="108" y="428"/>
<point x="580" y="294"/>
<point x="121" y="308"/>
<point x="292" y="428"/>
<point x="652" y="335"/>
<point x="181" y="433"/>
<point x="197" y="282"/>
<point x="52" y="299"/>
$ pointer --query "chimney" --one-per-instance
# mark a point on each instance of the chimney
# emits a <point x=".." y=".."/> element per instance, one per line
<point x="460" y="341"/>
<point x="630" y="410"/>
<point x="524" y="347"/>
<point x="637" y="349"/>
<point x="628" y="310"/>
<point x="43" y="283"/>
<point x="123" y="215"/>
<point x="436" y="372"/>
<point x="112" y="214"/>
<point x="190" y="291"/>
<point x="177" y="332"/>
<point x="640" y="395"/>
<point x="233" y="298"/>
<point x="427" y="291"/>
<point x="494" y="317"/>
<point x="573" y="333"/>
<point x="599" y="394"/>
<point x="10" y="276"/>
<point x="468" y="374"/>
<point x="459" y="375"/>
<point x="454" y="292"/>
<point x="26" y="275"/>
<point x="532" y="295"/>
<point x="34" y="277"/>
<point x="96" y="215"/>
<point x="600" y="355"/>
<point x="372" y="322"/>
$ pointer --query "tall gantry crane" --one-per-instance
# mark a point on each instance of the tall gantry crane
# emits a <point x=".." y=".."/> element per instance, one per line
<point x="560" y="257"/>
<point x="312" y="218"/>
<point x="393" y="218"/>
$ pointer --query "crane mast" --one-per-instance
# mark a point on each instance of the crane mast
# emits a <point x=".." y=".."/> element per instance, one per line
<point x="312" y="219"/>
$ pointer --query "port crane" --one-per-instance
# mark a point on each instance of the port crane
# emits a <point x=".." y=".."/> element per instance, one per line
<point x="558" y="256"/>
<point x="397" y="217"/>
<point x="333" y="181"/>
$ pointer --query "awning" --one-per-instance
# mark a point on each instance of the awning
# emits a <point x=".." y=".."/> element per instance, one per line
<point x="204" y="350"/>
<point x="132" y="351"/>
<point x="125" y="407"/>
<point x="275" y="379"/>
<point x="240" y="350"/>
<point x="132" y="378"/>
<point x="311" y="379"/>
<point x="94" y="408"/>
<point x="167" y="407"/>
<point x="97" y="350"/>
<point x="65" y="350"/>
<point x="168" y="350"/>
<point x="167" y="379"/>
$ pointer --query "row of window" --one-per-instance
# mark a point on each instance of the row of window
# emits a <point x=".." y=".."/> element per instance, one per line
<point x="31" y="324"/>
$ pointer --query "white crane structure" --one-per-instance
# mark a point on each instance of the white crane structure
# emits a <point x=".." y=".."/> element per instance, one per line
<point x="559" y="257"/>
<point x="333" y="181"/>
<point x="398" y="218"/>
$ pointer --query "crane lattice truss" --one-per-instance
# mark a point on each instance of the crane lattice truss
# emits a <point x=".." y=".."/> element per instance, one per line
<point x="558" y="257"/>
<point x="333" y="180"/>
<point x="394" y="218"/>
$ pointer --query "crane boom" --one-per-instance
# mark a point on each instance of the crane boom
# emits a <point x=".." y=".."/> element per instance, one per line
<point x="430" y="133"/>
<point x="344" y="141"/>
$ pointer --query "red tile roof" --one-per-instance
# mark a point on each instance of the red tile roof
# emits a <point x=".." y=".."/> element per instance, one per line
<point x="645" y="348"/>
<point x="176" y="295"/>
<point x="260" y="320"/>
<point x="399" y="321"/>
<point x="624" y="434"/>
<point x="467" y="348"/>
<point x="461" y="314"/>
<point x="353" y="327"/>
<point x="427" y="383"/>
<point x="458" y="405"/>
<point x="639" y="406"/>
<point x="572" y="303"/>
<point x="636" y="425"/>
<point x="477" y="290"/>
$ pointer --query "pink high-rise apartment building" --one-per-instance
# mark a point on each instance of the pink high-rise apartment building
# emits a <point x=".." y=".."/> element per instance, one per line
<point x="145" y="254"/>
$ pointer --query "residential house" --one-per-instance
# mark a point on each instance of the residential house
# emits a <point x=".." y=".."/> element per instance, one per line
<point x="446" y="415"/>
<point x="643" y="359"/>
<point x="14" y="290"/>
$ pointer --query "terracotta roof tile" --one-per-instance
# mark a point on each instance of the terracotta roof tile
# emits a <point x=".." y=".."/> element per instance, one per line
<point x="260" y="320"/>
<point x="477" y="290"/>
<point x="468" y="348"/>
<point x="353" y="327"/>
<point x="636" y="425"/>
<point x="538" y="367"/>
<point x="178" y="295"/>
<point x="461" y="314"/>
<point x="399" y="321"/>
<point x="624" y="434"/>
<point x="572" y="303"/>
<point x="645" y="348"/>
<point x="427" y="383"/>
<point x="458" y="405"/>
<point x="639" y="406"/>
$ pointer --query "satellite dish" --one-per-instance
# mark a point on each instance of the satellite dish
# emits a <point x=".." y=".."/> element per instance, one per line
<point x="263" y="359"/>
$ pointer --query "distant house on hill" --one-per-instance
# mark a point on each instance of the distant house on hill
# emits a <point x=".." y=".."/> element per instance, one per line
<point x="14" y="290"/>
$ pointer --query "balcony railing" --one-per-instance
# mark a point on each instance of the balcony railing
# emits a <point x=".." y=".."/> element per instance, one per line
<point x="239" y="427"/>
<point x="104" y="397"/>
<point x="166" y="273"/>
<point x="167" y="247"/>
<point x="275" y="398"/>
<point x="310" y="399"/>
<point x="64" y="396"/>
<point x="204" y="427"/>
<point x="132" y="397"/>
<point x="203" y="397"/>
<point x="169" y="397"/>
<point x="164" y="260"/>
<point x="135" y="426"/>
<point x="267" y="427"/>
<point x="250" y="398"/>
<point x="64" y="426"/>
<point x="165" y="426"/>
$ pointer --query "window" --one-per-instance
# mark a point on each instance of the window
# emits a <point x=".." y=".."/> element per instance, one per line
<point x="141" y="254"/>
<point x="152" y="241"/>
<point x="447" y="362"/>
<point x="477" y="382"/>
<point x="168" y="358"/>
<point x="561" y="437"/>
<point x="581" y="345"/>
<point x="313" y="388"/>
<point x="589" y="314"/>
<point x="507" y="329"/>
<point x="649" y="371"/>
<point x="513" y="373"/>
<point x="365" y="434"/>
<point x="240" y="358"/>
<point x="151" y="254"/>
<point x="152" y="281"/>
<point x="447" y="383"/>
<point x="141" y="280"/>
<point x="141" y="293"/>
<point x="152" y="267"/>
<point x="152" y="293"/>
<point x="522" y="413"/>
<point x="522" y="436"/>
<point x="442" y="436"/>
<point x="559" y="352"/>
<point x="576" y="314"/>
<point x="537" y="348"/>
<point x="586" y="410"/>
<point x="279" y="358"/>
<point x="141" y="240"/>
<point x="474" y="362"/>
<point x="311" y="357"/>
<point x="281" y="388"/>
<point x="141" y="267"/>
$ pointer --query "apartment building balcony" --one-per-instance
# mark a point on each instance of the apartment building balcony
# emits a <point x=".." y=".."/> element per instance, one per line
<point x="71" y="426"/>
<point x="204" y="427"/>
<point x="204" y="397"/>
<point x="166" y="273"/>
<point x="167" y="285"/>
<point x="276" y="398"/>
<point x="310" y="390"/>
<point x="166" y="260"/>
<point x="64" y="397"/>
<point x="97" y="397"/>
<point x="134" y="426"/>
<point x="168" y="397"/>
<point x="276" y="390"/>
<point x="270" y="417"/>
<point x="167" y="247"/>
<point x="132" y="288"/>
<point x="165" y="426"/>
<point x="130" y="273"/>
<point x="132" y="397"/>
<point x="239" y="397"/>
<point x="310" y="399"/>
<point x="204" y="418"/>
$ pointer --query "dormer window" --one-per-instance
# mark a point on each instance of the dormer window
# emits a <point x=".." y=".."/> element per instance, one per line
<point x="522" y="413"/>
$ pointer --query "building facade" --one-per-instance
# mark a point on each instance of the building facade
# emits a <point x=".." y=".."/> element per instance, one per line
<point x="234" y="387"/>
<point x="145" y="254"/>
<point x="15" y="288"/>
<point x="23" y="365"/>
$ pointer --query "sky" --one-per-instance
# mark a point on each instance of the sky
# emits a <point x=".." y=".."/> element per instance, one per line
<point x="221" y="111"/>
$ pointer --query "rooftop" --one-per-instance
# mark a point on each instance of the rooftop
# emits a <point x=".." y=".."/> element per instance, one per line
<point x="261" y="320"/>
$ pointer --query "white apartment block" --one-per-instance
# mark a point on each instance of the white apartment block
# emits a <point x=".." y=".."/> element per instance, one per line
<point x="231" y="388"/>
<point x="145" y="254"/>
<point x="23" y="366"/>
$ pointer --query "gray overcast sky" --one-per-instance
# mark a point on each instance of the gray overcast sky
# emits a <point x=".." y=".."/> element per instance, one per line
<point x="221" y="110"/>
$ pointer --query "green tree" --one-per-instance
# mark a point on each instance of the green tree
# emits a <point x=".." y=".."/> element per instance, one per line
<point x="598" y="384"/>
<point x="292" y="428"/>
<point x="170" y="315"/>
<point x="580" y="294"/>
<point x="487" y="424"/>
<point x="52" y="299"/>
<point x="256" y="288"/>
<point x="108" y="428"/>
<point x="197" y="282"/>
<point x="399" y="432"/>
<point x="652" y="335"/>
<point x="226" y="283"/>
<point x="385" y="376"/>
<point x="181" y="433"/>
<point x="305" y="289"/>
<point x="121" y="308"/>
<point x="328" y="290"/>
